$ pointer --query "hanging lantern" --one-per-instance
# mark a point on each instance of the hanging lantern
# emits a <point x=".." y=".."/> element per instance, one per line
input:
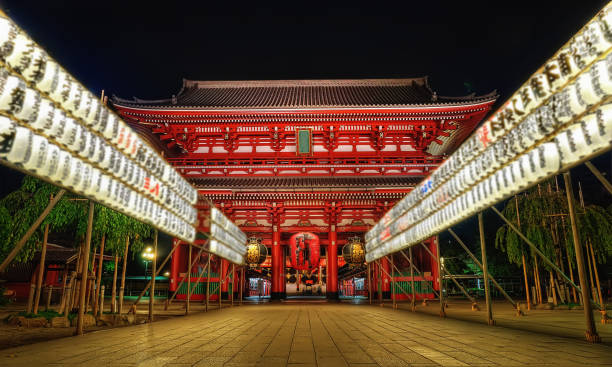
<point x="305" y="251"/>
<point x="354" y="252"/>
<point x="256" y="252"/>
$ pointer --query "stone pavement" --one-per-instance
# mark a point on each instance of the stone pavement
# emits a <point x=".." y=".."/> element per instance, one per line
<point x="310" y="335"/>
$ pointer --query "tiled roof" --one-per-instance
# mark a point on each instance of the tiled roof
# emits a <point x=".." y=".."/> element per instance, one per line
<point x="288" y="183"/>
<point x="302" y="94"/>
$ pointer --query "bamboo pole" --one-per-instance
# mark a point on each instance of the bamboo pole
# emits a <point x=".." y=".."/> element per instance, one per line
<point x="479" y="264"/>
<point x="31" y="230"/>
<point x="66" y="300"/>
<point x="183" y="280"/>
<point x="418" y="271"/>
<point x="413" y="298"/>
<point x="533" y="247"/>
<point x="518" y="222"/>
<point x="76" y="281"/>
<point x="591" y="332"/>
<point x="208" y="282"/>
<point x="41" y="271"/>
<point x="485" y="272"/>
<point x="90" y="287"/>
<point x="440" y="278"/>
<point x="393" y="302"/>
<point x="552" y="289"/>
<point x="369" y="283"/>
<point x="450" y="276"/>
<point x="63" y="296"/>
<point x="188" y="282"/>
<point x="590" y="267"/>
<point x="220" y="281"/>
<point x="85" y="257"/>
<point x="101" y="309"/>
<point x="241" y="283"/>
<point x="154" y="275"/>
<point x="599" y="176"/>
<point x="189" y="286"/>
<point x="122" y="288"/>
<point x="99" y="278"/>
<point x="601" y="300"/>
<point x="114" y="290"/>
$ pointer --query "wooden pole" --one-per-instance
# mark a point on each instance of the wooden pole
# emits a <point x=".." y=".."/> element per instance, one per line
<point x="485" y="272"/>
<point x="99" y="279"/>
<point x="233" y="284"/>
<point x="599" y="176"/>
<point x="182" y="280"/>
<point x="49" y="294"/>
<point x="208" y="282"/>
<point x="188" y="283"/>
<point x="369" y="282"/>
<point x="392" y="283"/>
<point x="591" y="332"/>
<point x="31" y="230"/>
<point x="601" y="300"/>
<point x="220" y="281"/>
<point x="590" y="267"/>
<point x="114" y="290"/>
<point x="101" y="312"/>
<point x="241" y="283"/>
<point x="440" y="278"/>
<point x="518" y="222"/>
<point x="64" y="289"/>
<point x="122" y="288"/>
<point x="85" y="257"/>
<point x="154" y="275"/>
<point x="41" y="269"/>
<point x="413" y="300"/>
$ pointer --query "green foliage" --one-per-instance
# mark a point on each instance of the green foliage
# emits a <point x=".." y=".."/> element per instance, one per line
<point x="544" y="221"/>
<point x="46" y="314"/>
<point x="19" y="209"/>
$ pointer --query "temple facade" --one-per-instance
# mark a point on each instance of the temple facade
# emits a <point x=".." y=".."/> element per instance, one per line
<point x="326" y="157"/>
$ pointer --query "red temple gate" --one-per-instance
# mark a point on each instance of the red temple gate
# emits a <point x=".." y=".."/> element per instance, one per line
<point x="322" y="156"/>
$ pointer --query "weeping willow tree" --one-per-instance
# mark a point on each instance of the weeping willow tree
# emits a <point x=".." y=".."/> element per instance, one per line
<point x="542" y="214"/>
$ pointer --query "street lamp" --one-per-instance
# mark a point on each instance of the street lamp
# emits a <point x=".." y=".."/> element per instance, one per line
<point x="148" y="256"/>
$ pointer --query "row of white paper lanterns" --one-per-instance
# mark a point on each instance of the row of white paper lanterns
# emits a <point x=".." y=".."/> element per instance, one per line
<point x="562" y="108"/>
<point x="24" y="149"/>
<point x="218" y="248"/>
<point x="591" y="135"/>
<point x="585" y="47"/>
<point x="29" y="60"/>
<point x="35" y="111"/>
<point x="227" y="240"/>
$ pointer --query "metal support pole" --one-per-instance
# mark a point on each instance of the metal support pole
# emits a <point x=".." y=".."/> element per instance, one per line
<point x="591" y="331"/>
<point x="154" y="275"/>
<point x="188" y="282"/>
<point x="485" y="271"/>
<point x="599" y="176"/>
<point x="84" y="269"/>
<point x="208" y="281"/>
<point x="31" y="230"/>
<point x="479" y="264"/>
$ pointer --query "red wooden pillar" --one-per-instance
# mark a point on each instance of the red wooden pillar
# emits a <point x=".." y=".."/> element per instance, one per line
<point x="278" y="266"/>
<point x="386" y="280"/>
<point x="174" y="266"/>
<point x="332" y="264"/>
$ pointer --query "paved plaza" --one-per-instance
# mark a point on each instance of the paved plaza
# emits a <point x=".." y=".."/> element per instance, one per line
<point x="311" y="335"/>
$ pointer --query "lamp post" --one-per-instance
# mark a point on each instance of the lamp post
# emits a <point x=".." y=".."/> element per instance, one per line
<point x="148" y="256"/>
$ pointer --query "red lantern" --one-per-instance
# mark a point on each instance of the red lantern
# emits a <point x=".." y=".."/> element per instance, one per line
<point x="305" y="251"/>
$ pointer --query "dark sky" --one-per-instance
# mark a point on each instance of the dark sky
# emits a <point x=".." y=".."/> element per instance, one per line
<point x="140" y="49"/>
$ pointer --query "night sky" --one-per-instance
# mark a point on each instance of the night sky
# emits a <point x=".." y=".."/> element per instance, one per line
<point x="143" y="49"/>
